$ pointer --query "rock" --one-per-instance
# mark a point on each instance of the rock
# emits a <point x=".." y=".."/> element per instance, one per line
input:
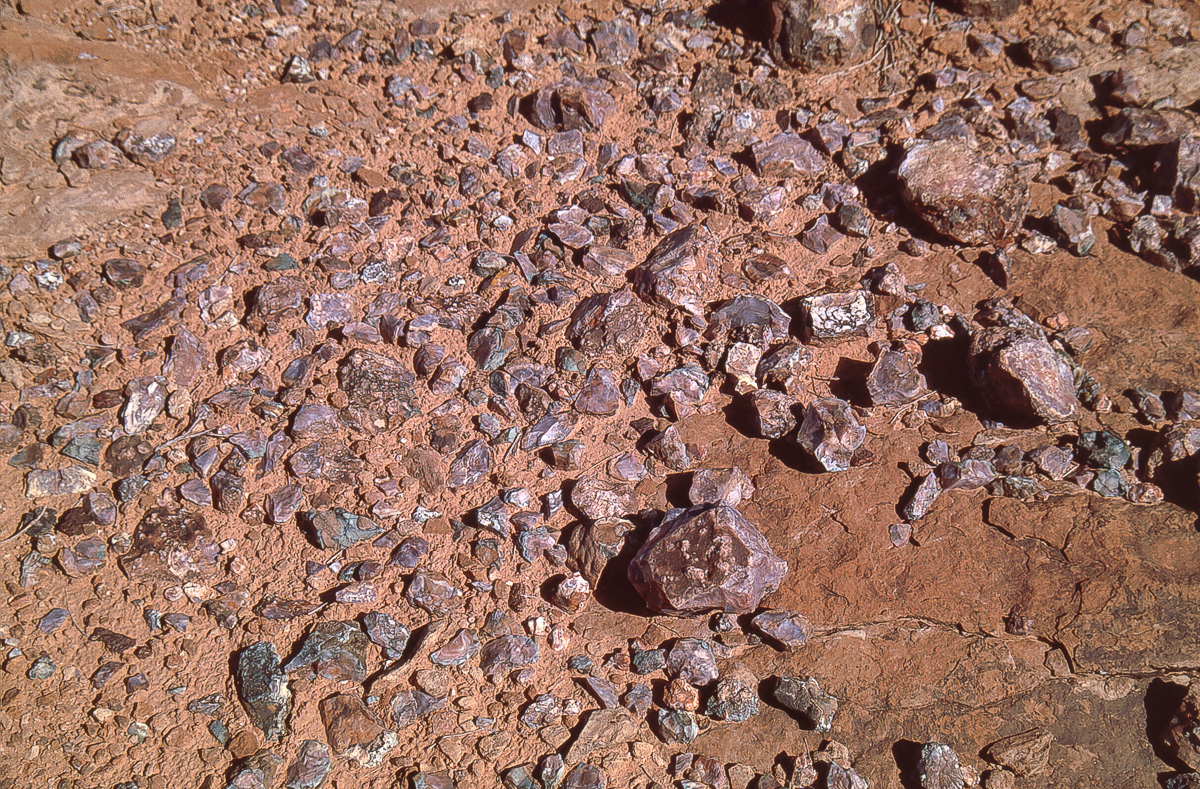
<point x="922" y="499"/>
<point x="772" y="414"/>
<point x="1021" y="375"/>
<point x="387" y="633"/>
<point x="97" y="155"/>
<point x="409" y="706"/>
<point x="1026" y="754"/>
<point x="736" y="696"/>
<point x="937" y="767"/>
<point x="693" y="661"/>
<point x="705" y="558"/>
<point x="741" y="364"/>
<point x="431" y="592"/>
<point x="145" y="399"/>
<point x="310" y="768"/>
<point x="821" y="35"/>
<point x="42" y="668"/>
<point x="470" y="466"/>
<point x="787" y="627"/>
<point x="263" y="689"/>
<point x="274" y="302"/>
<point x="830" y="433"/>
<point x="506" y="653"/>
<point x="597" y="498"/>
<point x="602" y="729"/>
<point x="591" y="546"/>
<point x="679" y="695"/>
<point x="353" y="731"/>
<point x="1054" y="54"/>
<point x="379" y="388"/>
<point x="1102" y="449"/>
<point x="676" y="727"/>
<point x="840" y="777"/>
<point x="786" y="155"/>
<point x="835" y="316"/>
<point x="969" y="474"/>
<point x="607" y="323"/>
<point x="986" y="9"/>
<point x="53" y="620"/>
<point x="683" y="387"/>
<point x="784" y="366"/>
<point x="670" y="449"/>
<point x="960" y="194"/>
<point x="333" y="650"/>
<point x="172" y="546"/>
<point x="803" y="696"/>
<point x="338" y="529"/>
<point x="572" y="593"/>
<point x="598" y="395"/>
<point x="894" y="378"/>
<point x="615" y="41"/>
<point x="728" y="486"/>
<point x="461" y="647"/>
<point x="674" y="273"/>
<point x="1074" y="229"/>
<point x="1178" y="170"/>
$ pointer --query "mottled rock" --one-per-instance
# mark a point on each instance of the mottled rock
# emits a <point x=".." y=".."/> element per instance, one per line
<point x="470" y="466"/>
<point x="784" y="367"/>
<point x="1178" y="170"/>
<point x="333" y="650"/>
<point x="1054" y="53"/>
<point x="572" y="593"/>
<point x="338" y="529"/>
<point x="353" y="731"/>
<point x="894" y="378"/>
<point x="960" y="194"/>
<point x="598" y="395"/>
<point x="433" y="593"/>
<point x="674" y="274"/>
<point x="938" y="768"/>
<point x="460" y="648"/>
<point x="506" y="653"/>
<point x="585" y="776"/>
<point x="591" y="546"/>
<point x="705" y="558"/>
<point x="736" y="696"/>
<point x="597" y="498"/>
<point x="830" y="433"/>
<point x="821" y="35"/>
<point x="786" y="155"/>
<point x="728" y="486"/>
<point x="263" y="689"/>
<point x="607" y="323"/>
<point x="835" y="316"/>
<point x="922" y="499"/>
<point x="803" y="696"/>
<point x="676" y="727"/>
<point x="787" y="627"/>
<point x="387" y="633"/>
<point x="380" y="389"/>
<point x="1021" y="375"/>
<point x="170" y="546"/>
<point x="145" y="399"/>
<point x="274" y="302"/>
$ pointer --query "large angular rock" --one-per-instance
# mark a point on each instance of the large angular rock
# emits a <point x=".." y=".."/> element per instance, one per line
<point x="591" y="546"/>
<point x="803" y="696"/>
<point x="333" y="650"/>
<point x="263" y="690"/>
<point x="607" y="323"/>
<point x="674" y="273"/>
<point x="705" y="558"/>
<point x="831" y="433"/>
<point x="819" y="35"/>
<point x="960" y="194"/>
<point x="380" y="389"/>
<point x="1021" y="375"/>
<point x="894" y="379"/>
<point x="750" y="319"/>
<point x="786" y="155"/>
<point x="171" y="545"/>
<point x="598" y="498"/>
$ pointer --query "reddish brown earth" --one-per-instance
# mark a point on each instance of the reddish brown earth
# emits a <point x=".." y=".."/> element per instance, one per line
<point x="911" y="639"/>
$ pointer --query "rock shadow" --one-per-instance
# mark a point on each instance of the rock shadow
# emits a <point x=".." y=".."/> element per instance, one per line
<point x="1161" y="701"/>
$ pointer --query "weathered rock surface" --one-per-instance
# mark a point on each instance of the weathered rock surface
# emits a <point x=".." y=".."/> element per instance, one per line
<point x="1021" y="376"/>
<point x="960" y="194"/>
<point x="705" y="558"/>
